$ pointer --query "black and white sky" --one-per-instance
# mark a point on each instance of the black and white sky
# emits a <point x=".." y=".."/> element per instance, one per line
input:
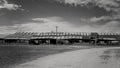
<point x="68" y="15"/>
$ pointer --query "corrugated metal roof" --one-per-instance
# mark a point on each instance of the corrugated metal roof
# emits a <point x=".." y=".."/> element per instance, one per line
<point x="58" y="35"/>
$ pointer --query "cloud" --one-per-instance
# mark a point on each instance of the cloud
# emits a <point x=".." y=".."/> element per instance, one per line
<point x="95" y="19"/>
<point x="5" y="5"/>
<point x="109" y="5"/>
<point x="48" y="19"/>
<point x="112" y="26"/>
<point x="103" y="23"/>
<point x="112" y="6"/>
<point x="48" y="24"/>
<point x="8" y="29"/>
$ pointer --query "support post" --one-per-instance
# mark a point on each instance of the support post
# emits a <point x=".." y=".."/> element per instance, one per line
<point x="56" y="29"/>
<point x="56" y="34"/>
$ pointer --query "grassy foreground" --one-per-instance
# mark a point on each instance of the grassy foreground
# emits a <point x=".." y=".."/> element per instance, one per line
<point x="16" y="54"/>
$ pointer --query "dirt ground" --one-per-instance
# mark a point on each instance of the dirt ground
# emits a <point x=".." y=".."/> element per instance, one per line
<point x="11" y="55"/>
<point x="86" y="58"/>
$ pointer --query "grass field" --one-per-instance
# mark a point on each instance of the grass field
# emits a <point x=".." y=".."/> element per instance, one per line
<point x="16" y="54"/>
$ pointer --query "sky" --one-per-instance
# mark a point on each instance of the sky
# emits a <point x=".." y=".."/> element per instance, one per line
<point x="68" y="15"/>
